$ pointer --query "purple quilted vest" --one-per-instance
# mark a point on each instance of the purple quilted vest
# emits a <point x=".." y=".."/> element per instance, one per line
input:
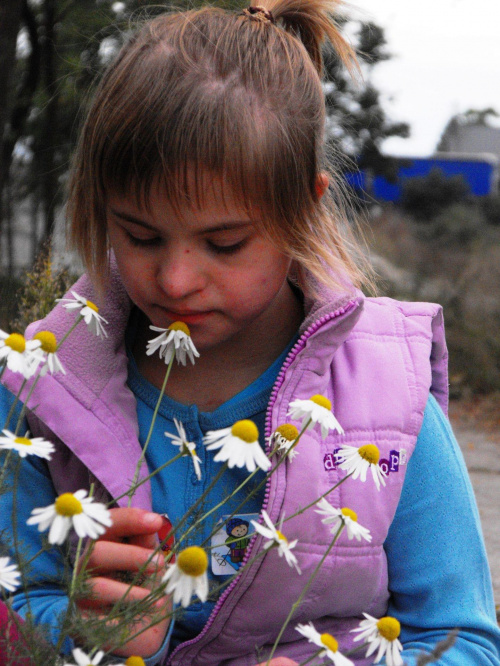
<point x="375" y="359"/>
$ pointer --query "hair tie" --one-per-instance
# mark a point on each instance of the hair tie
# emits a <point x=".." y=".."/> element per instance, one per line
<point x="259" y="13"/>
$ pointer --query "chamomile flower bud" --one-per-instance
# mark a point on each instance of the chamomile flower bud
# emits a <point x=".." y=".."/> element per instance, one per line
<point x="239" y="446"/>
<point x="285" y="436"/>
<point x="88" y="310"/>
<point x="276" y="539"/>
<point x="71" y="510"/>
<point x="317" y="410"/>
<point x="9" y="575"/>
<point x="359" y="460"/>
<point x="188" y="576"/>
<point x="329" y="645"/>
<point x="186" y="448"/>
<point x="19" y="354"/>
<point x="176" y="339"/>
<point x="26" y="446"/>
<point x="347" y="517"/>
<point x="382" y="634"/>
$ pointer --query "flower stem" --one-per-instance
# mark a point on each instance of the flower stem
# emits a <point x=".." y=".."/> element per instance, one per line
<point x="296" y="605"/>
<point x="68" y="333"/>
<point x="148" y="438"/>
<point x="13" y="406"/>
<point x="147" y="478"/>
<point x="308" y="661"/>
<point x="308" y="506"/>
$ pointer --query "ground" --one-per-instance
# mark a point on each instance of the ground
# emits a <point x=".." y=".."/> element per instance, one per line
<point x="476" y="423"/>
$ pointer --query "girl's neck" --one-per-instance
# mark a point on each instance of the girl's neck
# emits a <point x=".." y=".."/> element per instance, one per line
<point x="224" y="370"/>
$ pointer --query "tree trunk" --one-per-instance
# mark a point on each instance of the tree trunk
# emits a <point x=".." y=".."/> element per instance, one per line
<point x="49" y="179"/>
<point x="10" y="17"/>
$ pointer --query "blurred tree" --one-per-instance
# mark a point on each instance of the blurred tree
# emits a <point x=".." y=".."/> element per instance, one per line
<point x="357" y="123"/>
<point x="10" y="18"/>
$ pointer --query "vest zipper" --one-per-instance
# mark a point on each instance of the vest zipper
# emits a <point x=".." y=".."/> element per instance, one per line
<point x="298" y="346"/>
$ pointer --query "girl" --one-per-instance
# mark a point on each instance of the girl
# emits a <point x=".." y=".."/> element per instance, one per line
<point x="200" y="193"/>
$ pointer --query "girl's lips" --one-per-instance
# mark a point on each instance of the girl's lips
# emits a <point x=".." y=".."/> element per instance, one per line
<point x="188" y="318"/>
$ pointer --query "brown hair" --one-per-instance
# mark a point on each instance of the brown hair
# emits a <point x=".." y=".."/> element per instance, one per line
<point x="238" y="94"/>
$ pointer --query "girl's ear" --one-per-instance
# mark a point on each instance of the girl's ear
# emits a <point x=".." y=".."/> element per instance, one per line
<point x="321" y="184"/>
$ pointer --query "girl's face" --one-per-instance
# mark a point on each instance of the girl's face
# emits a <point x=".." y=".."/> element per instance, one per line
<point x="208" y="267"/>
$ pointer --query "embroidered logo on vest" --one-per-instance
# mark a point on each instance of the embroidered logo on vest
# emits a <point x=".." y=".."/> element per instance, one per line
<point x="388" y="465"/>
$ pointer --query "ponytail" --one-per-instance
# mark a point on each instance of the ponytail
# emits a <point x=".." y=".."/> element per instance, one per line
<point x="313" y="23"/>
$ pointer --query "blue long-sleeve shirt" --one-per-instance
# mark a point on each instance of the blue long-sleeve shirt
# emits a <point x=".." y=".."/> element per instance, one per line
<point x="438" y="571"/>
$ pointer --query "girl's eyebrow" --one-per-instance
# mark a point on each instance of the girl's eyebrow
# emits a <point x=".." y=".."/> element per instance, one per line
<point x="224" y="226"/>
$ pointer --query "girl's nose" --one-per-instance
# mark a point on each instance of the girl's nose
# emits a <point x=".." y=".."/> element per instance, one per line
<point x="181" y="275"/>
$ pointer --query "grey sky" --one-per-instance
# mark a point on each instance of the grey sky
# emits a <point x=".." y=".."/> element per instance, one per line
<point x="446" y="59"/>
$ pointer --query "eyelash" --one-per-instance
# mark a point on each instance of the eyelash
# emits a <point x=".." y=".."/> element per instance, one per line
<point x="216" y="249"/>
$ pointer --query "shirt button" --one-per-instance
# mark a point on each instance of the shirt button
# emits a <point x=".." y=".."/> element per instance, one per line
<point x="194" y="479"/>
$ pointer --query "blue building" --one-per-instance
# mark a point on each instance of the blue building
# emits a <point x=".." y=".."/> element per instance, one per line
<point x="480" y="172"/>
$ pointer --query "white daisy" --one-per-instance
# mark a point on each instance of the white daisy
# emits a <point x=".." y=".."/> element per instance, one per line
<point x="186" y="448"/>
<point x="9" y="575"/>
<point x="26" y="446"/>
<point x="285" y="436"/>
<point x="360" y="460"/>
<point x="327" y="642"/>
<point x="384" y="635"/>
<point x="19" y="354"/>
<point x="88" y="310"/>
<point x="239" y="445"/>
<point x="347" y="517"/>
<point x="83" y="659"/>
<point x="188" y="576"/>
<point x="48" y="351"/>
<point x="317" y="409"/>
<point x="277" y="539"/>
<point x="88" y="518"/>
<point x="175" y="339"/>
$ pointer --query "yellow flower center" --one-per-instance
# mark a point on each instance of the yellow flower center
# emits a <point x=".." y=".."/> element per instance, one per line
<point x="288" y="431"/>
<point x="349" y="513"/>
<point x="92" y="306"/>
<point x="245" y="430"/>
<point x="25" y="441"/>
<point x="389" y="628"/>
<point x="281" y="536"/>
<point x="135" y="661"/>
<point x="322" y="401"/>
<point x="370" y="453"/>
<point x="193" y="561"/>
<point x="48" y="340"/>
<point x="16" y="342"/>
<point x="329" y="642"/>
<point x="67" y="505"/>
<point x="179" y="326"/>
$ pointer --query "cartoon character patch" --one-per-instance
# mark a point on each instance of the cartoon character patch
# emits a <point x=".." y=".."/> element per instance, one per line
<point x="230" y="542"/>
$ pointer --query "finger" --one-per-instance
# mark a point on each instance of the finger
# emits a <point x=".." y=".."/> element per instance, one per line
<point x="104" y="591"/>
<point x="129" y="523"/>
<point x="279" y="661"/>
<point x="108" y="556"/>
<point x="150" y="541"/>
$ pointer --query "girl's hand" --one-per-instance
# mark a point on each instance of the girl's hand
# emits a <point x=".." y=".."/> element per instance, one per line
<point x="125" y="548"/>
<point x="279" y="661"/>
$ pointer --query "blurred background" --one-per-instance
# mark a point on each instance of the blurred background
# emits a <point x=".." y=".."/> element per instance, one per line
<point x="420" y="135"/>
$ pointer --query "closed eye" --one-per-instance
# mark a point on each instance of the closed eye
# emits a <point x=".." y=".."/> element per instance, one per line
<point x="226" y="249"/>
<point x="143" y="242"/>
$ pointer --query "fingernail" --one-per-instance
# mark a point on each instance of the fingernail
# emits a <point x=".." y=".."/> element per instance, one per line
<point x="150" y="518"/>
